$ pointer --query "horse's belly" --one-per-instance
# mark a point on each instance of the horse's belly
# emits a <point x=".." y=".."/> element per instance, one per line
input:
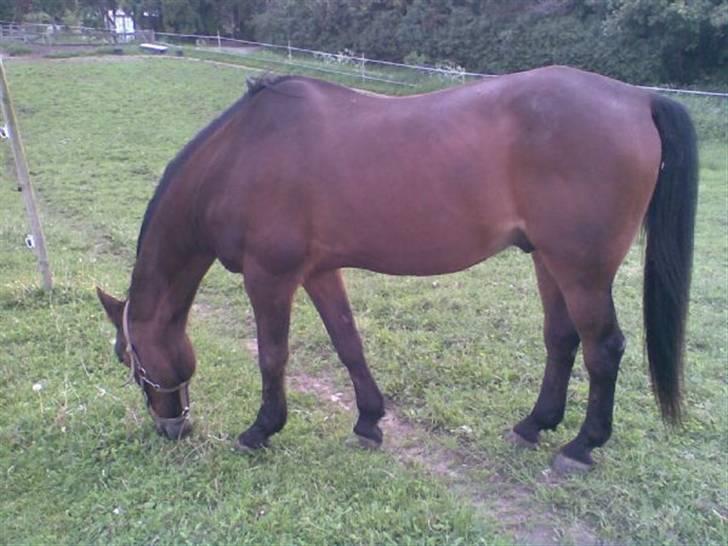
<point x="422" y="253"/>
<point x="442" y="213"/>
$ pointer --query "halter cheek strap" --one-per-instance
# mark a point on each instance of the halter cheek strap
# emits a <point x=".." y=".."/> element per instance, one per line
<point x="138" y="375"/>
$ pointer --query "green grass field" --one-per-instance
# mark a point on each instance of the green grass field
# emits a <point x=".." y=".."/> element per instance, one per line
<point x="460" y="357"/>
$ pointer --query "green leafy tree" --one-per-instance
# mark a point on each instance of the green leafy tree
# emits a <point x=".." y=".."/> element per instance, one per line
<point x="681" y="39"/>
<point x="7" y="10"/>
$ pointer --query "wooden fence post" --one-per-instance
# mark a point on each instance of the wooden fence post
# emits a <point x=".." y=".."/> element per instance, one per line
<point x="37" y="240"/>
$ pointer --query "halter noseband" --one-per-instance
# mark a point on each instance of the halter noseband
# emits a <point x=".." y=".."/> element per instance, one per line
<point x="139" y="375"/>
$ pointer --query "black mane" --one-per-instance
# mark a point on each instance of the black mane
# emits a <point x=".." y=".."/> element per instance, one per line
<point x="255" y="86"/>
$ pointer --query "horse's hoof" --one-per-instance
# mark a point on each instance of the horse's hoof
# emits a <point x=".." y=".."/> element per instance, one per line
<point x="363" y="442"/>
<point x="564" y="465"/>
<point x="512" y="437"/>
<point x="242" y="447"/>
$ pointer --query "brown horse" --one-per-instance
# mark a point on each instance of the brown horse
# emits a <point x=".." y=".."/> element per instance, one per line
<point x="301" y="178"/>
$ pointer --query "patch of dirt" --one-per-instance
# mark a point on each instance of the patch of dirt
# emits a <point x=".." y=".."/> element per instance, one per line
<point x="511" y="505"/>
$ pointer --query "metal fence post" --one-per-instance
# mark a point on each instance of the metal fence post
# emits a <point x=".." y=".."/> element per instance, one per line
<point x="37" y="241"/>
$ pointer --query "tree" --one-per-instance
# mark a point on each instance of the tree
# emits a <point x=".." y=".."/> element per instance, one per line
<point x="682" y="39"/>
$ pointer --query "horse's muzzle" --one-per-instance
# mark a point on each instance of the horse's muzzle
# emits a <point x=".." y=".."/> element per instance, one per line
<point x="175" y="428"/>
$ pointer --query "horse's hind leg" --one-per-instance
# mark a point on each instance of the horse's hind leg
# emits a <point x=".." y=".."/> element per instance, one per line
<point x="592" y="311"/>
<point x="329" y="296"/>
<point x="561" y="342"/>
<point x="271" y="297"/>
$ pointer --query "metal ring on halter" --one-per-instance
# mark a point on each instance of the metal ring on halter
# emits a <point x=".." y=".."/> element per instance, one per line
<point x="174" y="421"/>
<point x="138" y="375"/>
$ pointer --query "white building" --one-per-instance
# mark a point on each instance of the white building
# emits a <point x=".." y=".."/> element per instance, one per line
<point x="120" y="23"/>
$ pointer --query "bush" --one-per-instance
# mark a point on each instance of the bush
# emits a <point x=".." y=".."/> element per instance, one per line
<point x="642" y="41"/>
<point x="16" y="50"/>
<point x="39" y="17"/>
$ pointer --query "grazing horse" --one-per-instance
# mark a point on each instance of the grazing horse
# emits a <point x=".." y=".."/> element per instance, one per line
<point x="301" y="178"/>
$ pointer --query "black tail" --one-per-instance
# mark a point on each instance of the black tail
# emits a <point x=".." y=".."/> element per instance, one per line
<point x="669" y="225"/>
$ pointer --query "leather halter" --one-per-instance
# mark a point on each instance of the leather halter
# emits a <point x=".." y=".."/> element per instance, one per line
<point x="139" y="375"/>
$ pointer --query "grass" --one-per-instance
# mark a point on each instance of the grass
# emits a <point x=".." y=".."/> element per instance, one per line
<point x="461" y="355"/>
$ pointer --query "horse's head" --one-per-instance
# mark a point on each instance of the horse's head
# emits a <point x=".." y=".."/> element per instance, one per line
<point x="161" y="363"/>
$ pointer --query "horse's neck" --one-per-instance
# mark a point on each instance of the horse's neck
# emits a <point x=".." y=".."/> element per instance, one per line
<point x="165" y="281"/>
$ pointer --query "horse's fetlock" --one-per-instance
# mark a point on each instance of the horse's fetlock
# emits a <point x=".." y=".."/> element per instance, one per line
<point x="272" y="417"/>
<point x="274" y="422"/>
<point x="578" y="450"/>
<point x="550" y="419"/>
<point x="528" y="429"/>
<point x="254" y="438"/>
<point x="369" y="430"/>
<point x="371" y="413"/>
<point x="596" y="434"/>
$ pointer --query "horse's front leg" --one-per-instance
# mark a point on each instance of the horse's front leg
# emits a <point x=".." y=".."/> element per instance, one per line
<point x="271" y="296"/>
<point x="329" y="296"/>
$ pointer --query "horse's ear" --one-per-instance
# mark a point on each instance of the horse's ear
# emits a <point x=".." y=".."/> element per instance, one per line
<point x="114" y="308"/>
